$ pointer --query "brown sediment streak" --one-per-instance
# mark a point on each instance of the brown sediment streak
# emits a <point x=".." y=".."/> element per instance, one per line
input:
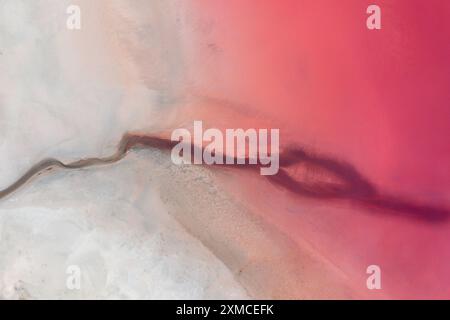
<point x="349" y="183"/>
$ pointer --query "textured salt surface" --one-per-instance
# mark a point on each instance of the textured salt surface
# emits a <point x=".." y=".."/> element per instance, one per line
<point x="111" y="222"/>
